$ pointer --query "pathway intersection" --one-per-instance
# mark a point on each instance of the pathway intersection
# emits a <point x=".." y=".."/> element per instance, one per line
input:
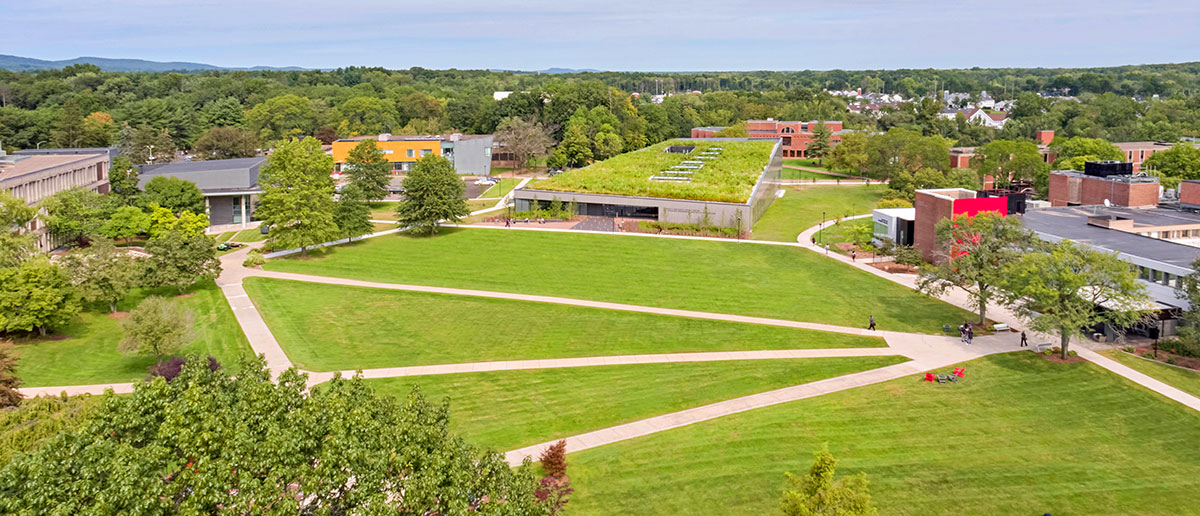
<point x="926" y="352"/>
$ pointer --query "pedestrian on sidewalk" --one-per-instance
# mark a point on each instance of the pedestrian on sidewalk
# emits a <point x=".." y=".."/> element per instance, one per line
<point x="872" y="321"/>
<point x="962" y="332"/>
<point x="970" y="335"/>
<point x="507" y="222"/>
<point x="1024" y="339"/>
<point x="826" y="249"/>
<point x="853" y="255"/>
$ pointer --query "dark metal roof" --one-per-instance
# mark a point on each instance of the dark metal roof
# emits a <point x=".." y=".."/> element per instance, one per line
<point x="1072" y="223"/>
<point x="212" y="176"/>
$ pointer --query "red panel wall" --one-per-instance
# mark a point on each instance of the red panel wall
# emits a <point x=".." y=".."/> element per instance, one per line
<point x="975" y="206"/>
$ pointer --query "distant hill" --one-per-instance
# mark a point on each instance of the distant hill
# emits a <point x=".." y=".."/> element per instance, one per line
<point x="550" y="70"/>
<point x="18" y="63"/>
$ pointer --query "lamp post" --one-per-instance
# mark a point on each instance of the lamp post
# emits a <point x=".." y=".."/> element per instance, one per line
<point x="150" y="155"/>
<point x="39" y="144"/>
<point x="821" y="228"/>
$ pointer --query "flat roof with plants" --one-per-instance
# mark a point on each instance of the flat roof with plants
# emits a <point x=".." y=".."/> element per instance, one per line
<point x="727" y="174"/>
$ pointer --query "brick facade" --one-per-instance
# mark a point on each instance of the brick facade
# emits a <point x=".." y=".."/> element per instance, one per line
<point x="795" y="135"/>
<point x="930" y="209"/>
<point x="1189" y="192"/>
<point x="1068" y="187"/>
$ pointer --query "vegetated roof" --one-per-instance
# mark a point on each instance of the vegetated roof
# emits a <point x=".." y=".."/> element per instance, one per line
<point x="728" y="178"/>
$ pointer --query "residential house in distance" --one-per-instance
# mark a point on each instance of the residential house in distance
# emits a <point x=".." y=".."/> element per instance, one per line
<point x="470" y="153"/>
<point x="977" y="115"/>
<point x="794" y="135"/>
<point x="35" y="176"/>
<point x="230" y="187"/>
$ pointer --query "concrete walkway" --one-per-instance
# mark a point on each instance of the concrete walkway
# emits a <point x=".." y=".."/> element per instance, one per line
<point x="606" y="360"/>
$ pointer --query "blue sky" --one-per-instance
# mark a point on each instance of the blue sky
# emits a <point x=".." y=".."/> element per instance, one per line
<point x="664" y="35"/>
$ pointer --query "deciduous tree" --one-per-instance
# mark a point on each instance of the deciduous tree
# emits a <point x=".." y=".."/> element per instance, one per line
<point x="1070" y="289"/>
<point x="1009" y="161"/>
<point x="576" y="148"/>
<point x="125" y="223"/>
<point x="970" y="253"/>
<point x="75" y="212"/>
<point x="9" y="395"/>
<point x="851" y="154"/>
<point x="175" y="194"/>
<point x="226" y="143"/>
<point x="186" y="447"/>
<point x="433" y="192"/>
<point x="819" y="494"/>
<point x="36" y="295"/>
<point x="368" y="171"/>
<point x="16" y="242"/>
<point x="351" y="214"/>
<point x="157" y="326"/>
<point x="297" y="199"/>
<point x="180" y="260"/>
<point x="123" y="181"/>
<point x="524" y="138"/>
<point x="1074" y="152"/>
<point x="101" y="272"/>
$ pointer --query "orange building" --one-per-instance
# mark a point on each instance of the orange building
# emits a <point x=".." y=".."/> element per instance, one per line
<point x="470" y="153"/>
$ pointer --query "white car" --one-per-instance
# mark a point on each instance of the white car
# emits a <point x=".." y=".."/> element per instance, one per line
<point x="485" y="181"/>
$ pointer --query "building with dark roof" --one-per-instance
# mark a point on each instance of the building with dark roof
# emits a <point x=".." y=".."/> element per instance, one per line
<point x="795" y="136"/>
<point x="230" y="186"/>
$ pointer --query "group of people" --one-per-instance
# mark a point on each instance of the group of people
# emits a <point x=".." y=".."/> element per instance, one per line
<point x="966" y="332"/>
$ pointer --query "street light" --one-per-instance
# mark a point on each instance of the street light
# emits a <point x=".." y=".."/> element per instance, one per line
<point x="821" y="227"/>
<point x="150" y="156"/>
<point x="39" y="144"/>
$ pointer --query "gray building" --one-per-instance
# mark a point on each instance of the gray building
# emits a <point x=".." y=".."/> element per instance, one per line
<point x="230" y="186"/>
<point x="32" y="177"/>
<point x="729" y="214"/>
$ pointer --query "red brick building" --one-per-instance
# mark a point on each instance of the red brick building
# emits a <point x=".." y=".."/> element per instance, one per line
<point x="1074" y="188"/>
<point x="795" y="135"/>
<point x="934" y="205"/>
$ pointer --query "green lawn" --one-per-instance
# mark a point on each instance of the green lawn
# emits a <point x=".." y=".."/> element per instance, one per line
<point x="1021" y="435"/>
<point x="383" y="210"/>
<point x="812" y="163"/>
<point x="89" y="353"/>
<point x="801" y="207"/>
<point x="502" y="188"/>
<point x="1185" y="380"/>
<point x="249" y="235"/>
<point x="791" y="173"/>
<point x="329" y="327"/>
<point x="727" y="277"/>
<point x="505" y="410"/>
<point x="475" y="205"/>
<point x="841" y="232"/>
<point x="225" y="236"/>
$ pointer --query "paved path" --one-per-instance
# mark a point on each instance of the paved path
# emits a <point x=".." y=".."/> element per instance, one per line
<point x="76" y="390"/>
<point x="607" y="360"/>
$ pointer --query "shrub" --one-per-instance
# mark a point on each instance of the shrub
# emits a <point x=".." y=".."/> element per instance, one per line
<point x="171" y="368"/>
<point x="254" y="259"/>
<point x="1171" y="360"/>
<point x="1071" y="353"/>
<point x="553" y="493"/>
<point x="894" y="203"/>
<point x="1148" y="355"/>
<point x="687" y="229"/>
<point x="554" y="459"/>
<point x="1129" y="349"/>
<point x="1048" y="352"/>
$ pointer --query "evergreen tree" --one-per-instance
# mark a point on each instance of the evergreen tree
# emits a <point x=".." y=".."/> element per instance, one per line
<point x="123" y="181"/>
<point x="433" y="193"/>
<point x="352" y="214"/>
<point x="68" y="130"/>
<point x="297" y="198"/>
<point x="821" y="142"/>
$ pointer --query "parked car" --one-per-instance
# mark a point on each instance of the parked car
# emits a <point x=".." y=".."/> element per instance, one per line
<point x="485" y="181"/>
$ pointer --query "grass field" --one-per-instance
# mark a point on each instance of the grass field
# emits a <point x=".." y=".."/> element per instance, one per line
<point x="329" y="327"/>
<point x="508" y="409"/>
<point x="89" y="353"/>
<point x="807" y="163"/>
<point x="791" y="173"/>
<point x="249" y="235"/>
<point x="841" y="232"/>
<point x="225" y="236"/>
<point x="1021" y="435"/>
<point x="1185" y="380"/>
<point x="726" y="277"/>
<point x="801" y="207"/>
<point x="502" y="188"/>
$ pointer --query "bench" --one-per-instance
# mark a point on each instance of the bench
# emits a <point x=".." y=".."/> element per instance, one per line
<point x="1000" y="327"/>
<point x="1041" y="348"/>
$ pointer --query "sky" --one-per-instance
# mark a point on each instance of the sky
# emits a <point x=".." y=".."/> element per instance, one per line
<point x="645" y="35"/>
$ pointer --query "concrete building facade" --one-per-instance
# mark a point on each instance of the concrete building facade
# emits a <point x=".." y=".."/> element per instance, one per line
<point x="33" y="177"/>
<point x="230" y="187"/>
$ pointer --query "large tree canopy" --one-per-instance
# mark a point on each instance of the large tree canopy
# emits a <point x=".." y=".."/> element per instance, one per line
<point x="433" y="192"/>
<point x="211" y="443"/>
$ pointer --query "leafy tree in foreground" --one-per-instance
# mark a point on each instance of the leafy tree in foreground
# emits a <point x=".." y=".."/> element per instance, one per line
<point x="102" y="273"/>
<point x="819" y="494"/>
<point x="524" y="138"/>
<point x="297" y="199"/>
<point x="209" y="443"/>
<point x="1061" y="291"/>
<point x="1009" y="161"/>
<point x="75" y="212"/>
<point x="433" y="192"/>
<point x="575" y="147"/>
<point x="125" y="223"/>
<point x="16" y="244"/>
<point x="175" y="194"/>
<point x="368" y="170"/>
<point x="851" y="154"/>
<point x="1188" y="342"/>
<point x="970" y="253"/>
<point x="1074" y="152"/>
<point x="36" y="295"/>
<point x="179" y="260"/>
<point x="1180" y="161"/>
<point x="9" y="395"/>
<point x="157" y="326"/>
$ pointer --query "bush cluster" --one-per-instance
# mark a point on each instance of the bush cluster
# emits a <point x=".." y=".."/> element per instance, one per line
<point x="690" y="229"/>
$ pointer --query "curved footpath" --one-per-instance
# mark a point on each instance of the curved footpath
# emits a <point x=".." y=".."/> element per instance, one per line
<point x="925" y="352"/>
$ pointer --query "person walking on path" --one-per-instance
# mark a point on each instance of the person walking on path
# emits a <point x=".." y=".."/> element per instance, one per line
<point x="1024" y="339"/>
<point x="970" y="335"/>
<point x="962" y="332"/>
<point x="872" y="323"/>
<point x="853" y="255"/>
